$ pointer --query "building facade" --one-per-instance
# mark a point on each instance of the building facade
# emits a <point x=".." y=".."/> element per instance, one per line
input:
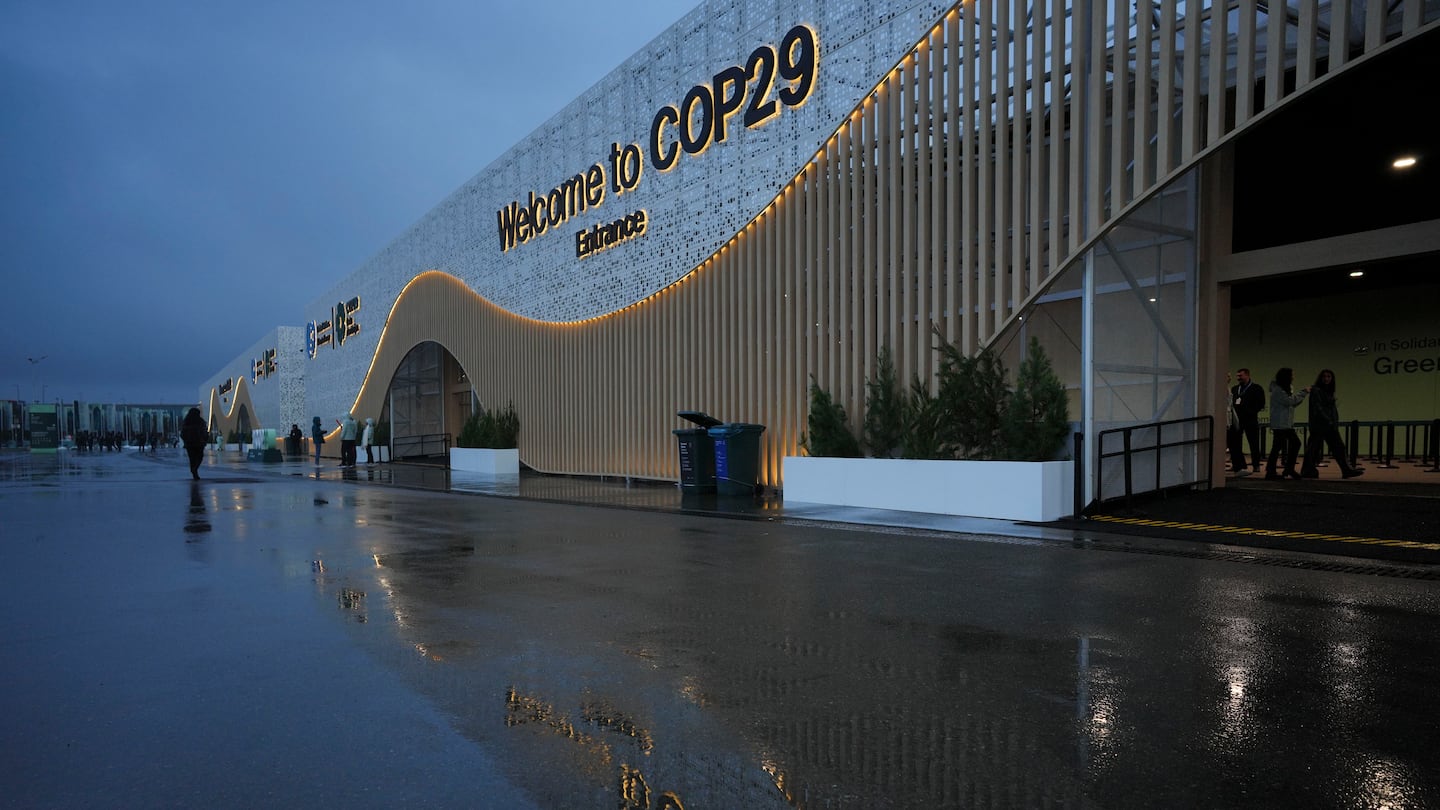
<point x="771" y="193"/>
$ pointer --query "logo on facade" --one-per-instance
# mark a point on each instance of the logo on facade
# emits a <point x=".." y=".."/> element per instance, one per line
<point x="336" y="330"/>
<point x="263" y="366"/>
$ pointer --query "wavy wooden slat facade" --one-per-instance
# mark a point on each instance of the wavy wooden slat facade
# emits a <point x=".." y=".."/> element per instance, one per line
<point x="990" y="158"/>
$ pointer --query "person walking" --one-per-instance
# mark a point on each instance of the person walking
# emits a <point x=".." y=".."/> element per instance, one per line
<point x="1325" y="428"/>
<point x="367" y="439"/>
<point x="317" y="438"/>
<point x="1249" y="401"/>
<point x="195" y="434"/>
<point x="1283" y="437"/>
<point x="348" y="430"/>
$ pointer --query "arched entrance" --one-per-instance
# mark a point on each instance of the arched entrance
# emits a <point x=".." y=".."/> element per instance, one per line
<point x="426" y="404"/>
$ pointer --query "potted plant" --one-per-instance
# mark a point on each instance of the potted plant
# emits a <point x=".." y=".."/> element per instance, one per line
<point x="976" y="447"/>
<point x="488" y="443"/>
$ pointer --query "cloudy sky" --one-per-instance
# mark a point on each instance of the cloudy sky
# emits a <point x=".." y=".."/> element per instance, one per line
<point x="179" y="177"/>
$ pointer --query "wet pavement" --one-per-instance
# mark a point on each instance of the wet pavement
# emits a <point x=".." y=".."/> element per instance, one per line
<point x="274" y="635"/>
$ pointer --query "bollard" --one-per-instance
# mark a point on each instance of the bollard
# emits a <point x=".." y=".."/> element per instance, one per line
<point x="1434" y="446"/>
<point x="1079" y="484"/>
<point x="1351" y="441"/>
<point x="1387" y="462"/>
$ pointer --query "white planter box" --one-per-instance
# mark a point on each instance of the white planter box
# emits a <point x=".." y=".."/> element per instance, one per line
<point x="1007" y="490"/>
<point x="480" y="460"/>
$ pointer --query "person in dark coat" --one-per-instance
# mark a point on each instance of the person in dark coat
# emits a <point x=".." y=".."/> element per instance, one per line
<point x="317" y="437"/>
<point x="1325" y="429"/>
<point x="194" y="434"/>
<point x="1249" y="400"/>
<point x="296" y="440"/>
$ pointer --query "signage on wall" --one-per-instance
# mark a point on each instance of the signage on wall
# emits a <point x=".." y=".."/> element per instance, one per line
<point x="226" y="386"/>
<point x="336" y="330"/>
<point x="263" y="366"/>
<point x="1387" y="363"/>
<point x="770" y="81"/>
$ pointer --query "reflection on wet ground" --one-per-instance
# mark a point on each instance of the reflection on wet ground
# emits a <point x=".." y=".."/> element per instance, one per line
<point x="644" y="658"/>
<point x="196" y="522"/>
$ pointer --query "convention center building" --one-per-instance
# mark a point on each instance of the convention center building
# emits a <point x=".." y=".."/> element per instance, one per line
<point x="771" y="194"/>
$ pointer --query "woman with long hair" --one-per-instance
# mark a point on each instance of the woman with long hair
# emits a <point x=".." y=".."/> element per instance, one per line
<point x="1282" y="424"/>
<point x="1325" y="428"/>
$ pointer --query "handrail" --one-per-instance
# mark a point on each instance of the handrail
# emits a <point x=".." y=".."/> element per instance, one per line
<point x="420" y="446"/>
<point x="1128" y="451"/>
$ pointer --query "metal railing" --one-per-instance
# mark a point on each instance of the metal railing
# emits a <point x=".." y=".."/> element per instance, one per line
<point x="1151" y="447"/>
<point x="1384" y="443"/>
<point x="426" y="445"/>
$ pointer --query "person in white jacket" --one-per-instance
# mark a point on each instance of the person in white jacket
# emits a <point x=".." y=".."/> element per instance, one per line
<point x="367" y="439"/>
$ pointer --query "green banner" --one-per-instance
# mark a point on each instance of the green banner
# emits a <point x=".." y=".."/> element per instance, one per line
<point x="44" y="429"/>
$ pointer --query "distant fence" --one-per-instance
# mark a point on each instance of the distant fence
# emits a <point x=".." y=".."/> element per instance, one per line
<point x="1385" y="444"/>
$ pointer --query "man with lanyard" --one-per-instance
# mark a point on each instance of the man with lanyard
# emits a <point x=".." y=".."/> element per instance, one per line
<point x="1248" y="400"/>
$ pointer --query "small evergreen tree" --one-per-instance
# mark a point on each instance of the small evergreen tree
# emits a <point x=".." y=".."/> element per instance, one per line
<point x="1038" y="417"/>
<point x="473" y="432"/>
<point x="885" y="409"/>
<point x="495" y="430"/>
<point x="922" y="437"/>
<point x="828" y="432"/>
<point x="972" y="398"/>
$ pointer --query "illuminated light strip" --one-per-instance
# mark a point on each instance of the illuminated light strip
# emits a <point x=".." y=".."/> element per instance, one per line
<point x="793" y="185"/>
<point x="1206" y="527"/>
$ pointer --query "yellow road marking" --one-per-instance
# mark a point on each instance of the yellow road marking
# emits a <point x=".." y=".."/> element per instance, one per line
<point x="1206" y="527"/>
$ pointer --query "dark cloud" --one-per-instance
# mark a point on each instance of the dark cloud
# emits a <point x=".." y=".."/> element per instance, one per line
<point x="182" y="177"/>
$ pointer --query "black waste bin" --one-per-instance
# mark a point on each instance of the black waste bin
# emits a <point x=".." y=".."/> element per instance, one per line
<point x="737" y="457"/>
<point x="697" y="452"/>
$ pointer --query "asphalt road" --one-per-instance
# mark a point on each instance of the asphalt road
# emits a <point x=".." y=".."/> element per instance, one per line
<point x="253" y="640"/>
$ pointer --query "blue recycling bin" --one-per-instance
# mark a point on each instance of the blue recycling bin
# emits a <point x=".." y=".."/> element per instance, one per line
<point x="737" y="457"/>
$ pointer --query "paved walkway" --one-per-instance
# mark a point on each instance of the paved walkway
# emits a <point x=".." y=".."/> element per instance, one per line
<point x="280" y="636"/>
<point x="1391" y="515"/>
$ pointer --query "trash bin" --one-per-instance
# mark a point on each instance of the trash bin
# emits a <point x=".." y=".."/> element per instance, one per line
<point x="737" y="457"/>
<point x="697" y="452"/>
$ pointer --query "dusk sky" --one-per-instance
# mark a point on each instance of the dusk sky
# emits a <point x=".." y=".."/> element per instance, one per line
<point x="180" y="177"/>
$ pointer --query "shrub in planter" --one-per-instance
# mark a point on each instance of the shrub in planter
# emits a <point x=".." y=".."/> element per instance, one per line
<point x="828" y="433"/>
<point x="491" y="430"/>
<point x="972" y="399"/>
<point x="885" y="409"/>
<point x="1038" y="417"/>
<point x="923" y="437"/>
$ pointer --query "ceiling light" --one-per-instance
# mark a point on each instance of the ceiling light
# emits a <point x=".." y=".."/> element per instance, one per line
<point x="1404" y="162"/>
<point x="1356" y="273"/>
